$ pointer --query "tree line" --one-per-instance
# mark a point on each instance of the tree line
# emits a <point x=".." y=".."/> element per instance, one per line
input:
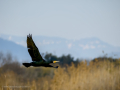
<point x="8" y="63"/>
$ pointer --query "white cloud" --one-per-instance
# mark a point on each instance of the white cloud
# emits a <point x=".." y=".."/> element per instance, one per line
<point x="101" y="46"/>
<point x="94" y="42"/>
<point x="104" y="46"/>
<point x="70" y="45"/>
<point x="84" y="46"/>
<point x="46" y="42"/>
<point x="97" y="42"/>
<point x="17" y="43"/>
<point x="92" y="46"/>
<point x="9" y="38"/>
<point x="52" y="42"/>
<point x="24" y="44"/>
<point x="87" y="46"/>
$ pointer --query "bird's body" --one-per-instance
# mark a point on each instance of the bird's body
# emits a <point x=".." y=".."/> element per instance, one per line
<point x="35" y="55"/>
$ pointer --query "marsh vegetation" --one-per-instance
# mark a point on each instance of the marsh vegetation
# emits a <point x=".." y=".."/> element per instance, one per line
<point x="99" y="74"/>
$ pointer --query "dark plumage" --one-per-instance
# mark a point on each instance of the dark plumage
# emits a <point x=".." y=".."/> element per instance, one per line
<point x="35" y="55"/>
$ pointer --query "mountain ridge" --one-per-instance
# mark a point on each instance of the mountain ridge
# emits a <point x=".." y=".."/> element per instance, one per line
<point x="83" y="48"/>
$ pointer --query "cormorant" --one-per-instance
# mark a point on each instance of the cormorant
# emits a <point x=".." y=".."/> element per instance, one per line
<point x="35" y="55"/>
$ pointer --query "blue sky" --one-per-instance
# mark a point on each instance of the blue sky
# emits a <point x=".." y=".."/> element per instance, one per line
<point x="71" y="19"/>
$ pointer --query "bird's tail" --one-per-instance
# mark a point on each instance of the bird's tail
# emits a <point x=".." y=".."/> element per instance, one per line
<point x="27" y="64"/>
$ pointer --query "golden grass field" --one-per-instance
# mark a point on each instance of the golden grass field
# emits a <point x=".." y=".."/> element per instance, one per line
<point x="95" y="76"/>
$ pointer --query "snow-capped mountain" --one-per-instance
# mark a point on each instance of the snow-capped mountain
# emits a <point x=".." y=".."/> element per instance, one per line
<point x="84" y="48"/>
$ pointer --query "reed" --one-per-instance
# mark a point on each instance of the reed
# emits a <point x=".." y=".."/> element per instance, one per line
<point x="102" y="75"/>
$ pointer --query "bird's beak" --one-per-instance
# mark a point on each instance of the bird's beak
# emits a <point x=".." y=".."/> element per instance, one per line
<point x="55" y="61"/>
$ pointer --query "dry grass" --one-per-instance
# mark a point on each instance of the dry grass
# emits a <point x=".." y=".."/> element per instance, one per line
<point x="95" y="76"/>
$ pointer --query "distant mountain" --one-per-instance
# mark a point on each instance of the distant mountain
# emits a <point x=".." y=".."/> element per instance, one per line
<point x="16" y="50"/>
<point x="87" y="48"/>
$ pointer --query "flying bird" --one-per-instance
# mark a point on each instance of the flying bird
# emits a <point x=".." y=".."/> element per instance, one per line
<point x="37" y="59"/>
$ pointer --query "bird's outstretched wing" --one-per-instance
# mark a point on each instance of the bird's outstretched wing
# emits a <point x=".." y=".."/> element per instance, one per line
<point x="33" y="50"/>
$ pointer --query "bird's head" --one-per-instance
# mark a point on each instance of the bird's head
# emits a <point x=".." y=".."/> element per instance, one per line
<point x="55" y="61"/>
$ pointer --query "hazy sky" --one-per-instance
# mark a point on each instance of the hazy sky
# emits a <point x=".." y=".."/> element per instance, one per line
<point x="71" y="19"/>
